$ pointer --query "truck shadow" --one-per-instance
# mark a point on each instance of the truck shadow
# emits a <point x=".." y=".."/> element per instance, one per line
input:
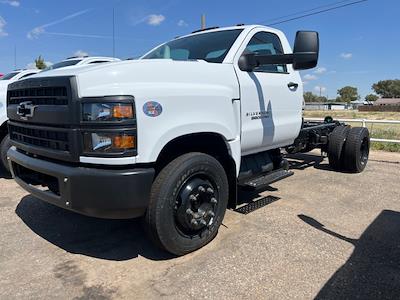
<point x="4" y="174"/>
<point x="373" y="269"/>
<point x="302" y="161"/>
<point x="116" y="240"/>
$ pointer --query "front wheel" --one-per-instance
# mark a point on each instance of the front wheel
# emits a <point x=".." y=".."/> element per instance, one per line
<point x="187" y="203"/>
<point x="4" y="146"/>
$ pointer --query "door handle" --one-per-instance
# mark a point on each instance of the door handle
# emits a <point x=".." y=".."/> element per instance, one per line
<point x="293" y="85"/>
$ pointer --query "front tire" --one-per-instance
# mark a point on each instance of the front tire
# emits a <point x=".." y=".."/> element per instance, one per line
<point x="4" y="146"/>
<point x="187" y="204"/>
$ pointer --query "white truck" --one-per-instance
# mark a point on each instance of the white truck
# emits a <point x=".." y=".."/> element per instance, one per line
<point x="172" y="136"/>
<point x="20" y="74"/>
<point x="75" y="61"/>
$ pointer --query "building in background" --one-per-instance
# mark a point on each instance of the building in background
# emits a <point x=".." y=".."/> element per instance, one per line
<point x="327" y="106"/>
<point x="387" y="102"/>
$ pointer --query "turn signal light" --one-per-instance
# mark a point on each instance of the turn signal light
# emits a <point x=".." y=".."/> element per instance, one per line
<point x="124" y="142"/>
<point x="123" y="111"/>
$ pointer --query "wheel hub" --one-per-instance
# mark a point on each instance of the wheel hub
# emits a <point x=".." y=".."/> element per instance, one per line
<point x="196" y="205"/>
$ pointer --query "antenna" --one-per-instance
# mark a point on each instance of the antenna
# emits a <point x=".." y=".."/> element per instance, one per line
<point x="113" y="31"/>
<point x="15" y="57"/>
<point x="203" y="21"/>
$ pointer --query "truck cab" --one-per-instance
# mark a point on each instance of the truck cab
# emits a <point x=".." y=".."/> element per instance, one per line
<point x="169" y="137"/>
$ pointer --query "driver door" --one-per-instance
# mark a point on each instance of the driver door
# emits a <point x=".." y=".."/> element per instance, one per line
<point x="271" y="103"/>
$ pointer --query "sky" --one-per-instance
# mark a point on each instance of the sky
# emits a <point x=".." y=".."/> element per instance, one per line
<point x="359" y="43"/>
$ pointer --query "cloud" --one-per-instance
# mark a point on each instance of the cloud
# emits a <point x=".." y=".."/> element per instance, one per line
<point x="320" y="70"/>
<point x="182" y="23"/>
<point x="3" y="24"/>
<point x="14" y="3"/>
<point x="155" y="20"/>
<point x="37" y="31"/>
<point x="309" y="77"/>
<point x="80" y="53"/>
<point x="321" y="89"/>
<point x="346" y="55"/>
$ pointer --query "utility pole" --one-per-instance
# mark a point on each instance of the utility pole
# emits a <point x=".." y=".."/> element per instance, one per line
<point x="203" y="21"/>
<point x="113" y="32"/>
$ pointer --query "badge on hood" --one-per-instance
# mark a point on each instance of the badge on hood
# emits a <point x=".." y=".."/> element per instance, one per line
<point x="152" y="109"/>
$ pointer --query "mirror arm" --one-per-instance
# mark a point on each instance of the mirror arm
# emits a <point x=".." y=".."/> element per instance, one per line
<point x="278" y="59"/>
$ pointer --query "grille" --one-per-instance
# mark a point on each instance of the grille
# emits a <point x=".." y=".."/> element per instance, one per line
<point x="50" y="139"/>
<point x="39" y="96"/>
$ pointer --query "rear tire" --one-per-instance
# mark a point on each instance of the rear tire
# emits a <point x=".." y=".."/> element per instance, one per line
<point x="336" y="144"/>
<point x="4" y="146"/>
<point x="187" y="203"/>
<point x="356" y="150"/>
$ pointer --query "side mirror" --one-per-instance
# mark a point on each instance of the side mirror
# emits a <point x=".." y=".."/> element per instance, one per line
<point x="305" y="54"/>
<point x="306" y="50"/>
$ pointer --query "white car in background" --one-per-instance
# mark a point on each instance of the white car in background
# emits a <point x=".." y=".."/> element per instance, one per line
<point x="81" y="60"/>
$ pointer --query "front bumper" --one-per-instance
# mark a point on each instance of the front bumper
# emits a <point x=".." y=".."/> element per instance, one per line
<point x="102" y="193"/>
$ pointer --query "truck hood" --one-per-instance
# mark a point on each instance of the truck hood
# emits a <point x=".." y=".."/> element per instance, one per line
<point x="135" y="76"/>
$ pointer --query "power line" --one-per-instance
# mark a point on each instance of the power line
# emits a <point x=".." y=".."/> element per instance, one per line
<point x="305" y="11"/>
<point x="317" y="12"/>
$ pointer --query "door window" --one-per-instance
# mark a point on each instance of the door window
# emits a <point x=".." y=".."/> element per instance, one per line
<point x="266" y="43"/>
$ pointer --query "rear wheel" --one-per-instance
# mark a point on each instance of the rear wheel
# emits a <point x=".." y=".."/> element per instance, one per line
<point x="4" y="146"/>
<point x="187" y="203"/>
<point x="337" y="140"/>
<point x="356" y="150"/>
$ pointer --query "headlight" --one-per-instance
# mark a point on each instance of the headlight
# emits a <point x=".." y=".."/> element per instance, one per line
<point x="119" y="142"/>
<point x="107" y="112"/>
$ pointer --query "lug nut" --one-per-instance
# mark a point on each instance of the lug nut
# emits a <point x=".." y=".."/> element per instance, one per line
<point x="213" y="200"/>
<point x="210" y="190"/>
<point x="194" y="222"/>
<point x="211" y="213"/>
<point x="189" y="211"/>
<point x="193" y="198"/>
<point x="203" y="222"/>
<point x="201" y="189"/>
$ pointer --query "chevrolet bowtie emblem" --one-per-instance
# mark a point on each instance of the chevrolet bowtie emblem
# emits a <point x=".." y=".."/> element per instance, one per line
<point x="26" y="110"/>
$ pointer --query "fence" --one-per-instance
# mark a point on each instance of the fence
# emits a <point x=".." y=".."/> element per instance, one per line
<point x="385" y="108"/>
<point x="364" y="123"/>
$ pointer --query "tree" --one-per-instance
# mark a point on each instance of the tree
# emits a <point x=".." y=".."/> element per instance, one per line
<point x="387" y="88"/>
<point x="371" y="98"/>
<point x="348" y="94"/>
<point x="40" y="64"/>
<point x="310" y="97"/>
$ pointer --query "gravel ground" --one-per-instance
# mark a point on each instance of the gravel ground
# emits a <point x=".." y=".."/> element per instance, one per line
<point x="328" y="236"/>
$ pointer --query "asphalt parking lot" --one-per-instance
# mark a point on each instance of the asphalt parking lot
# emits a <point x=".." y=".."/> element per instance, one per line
<point x="327" y="236"/>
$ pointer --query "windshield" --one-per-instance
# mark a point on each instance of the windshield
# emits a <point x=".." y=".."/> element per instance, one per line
<point x="9" y="76"/>
<point x="211" y="47"/>
<point x="63" y="64"/>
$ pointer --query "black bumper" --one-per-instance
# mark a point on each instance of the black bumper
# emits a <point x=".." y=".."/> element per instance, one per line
<point x="102" y="193"/>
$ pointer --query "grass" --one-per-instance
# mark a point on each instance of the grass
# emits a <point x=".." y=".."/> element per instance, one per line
<point x="382" y="131"/>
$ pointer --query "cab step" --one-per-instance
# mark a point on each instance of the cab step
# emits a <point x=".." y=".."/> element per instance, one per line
<point x="265" y="180"/>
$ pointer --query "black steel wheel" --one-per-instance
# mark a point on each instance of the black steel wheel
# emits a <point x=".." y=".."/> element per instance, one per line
<point x="356" y="150"/>
<point x="336" y="144"/>
<point x="4" y="146"/>
<point x="187" y="203"/>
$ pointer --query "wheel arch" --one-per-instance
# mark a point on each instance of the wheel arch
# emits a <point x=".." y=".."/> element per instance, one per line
<point x="3" y="131"/>
<point x="209" y="143"/>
